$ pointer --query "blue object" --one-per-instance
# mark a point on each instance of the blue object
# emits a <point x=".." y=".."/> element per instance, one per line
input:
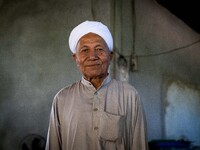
<point x="169" y="144"/>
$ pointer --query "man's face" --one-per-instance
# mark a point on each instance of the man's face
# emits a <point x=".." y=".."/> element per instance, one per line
<point x="92" y="56"/>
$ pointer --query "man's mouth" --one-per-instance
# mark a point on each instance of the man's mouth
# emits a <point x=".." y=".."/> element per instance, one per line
<point x="92" y="64"/>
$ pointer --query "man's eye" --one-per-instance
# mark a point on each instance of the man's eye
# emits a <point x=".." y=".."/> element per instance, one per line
<point x="99" y="49"/>
<point x="84" y="50"/>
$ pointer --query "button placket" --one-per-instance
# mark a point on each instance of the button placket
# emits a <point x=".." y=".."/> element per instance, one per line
<point x="95" y="111"/>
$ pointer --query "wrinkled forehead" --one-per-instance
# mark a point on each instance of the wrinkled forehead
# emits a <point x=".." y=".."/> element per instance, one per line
<point x="91" y="39"/>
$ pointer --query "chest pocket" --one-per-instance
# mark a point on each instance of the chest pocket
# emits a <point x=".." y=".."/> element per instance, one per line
<point x="111" y="127"/>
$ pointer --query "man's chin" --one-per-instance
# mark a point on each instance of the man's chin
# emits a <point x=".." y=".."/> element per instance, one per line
<point x="94" y="76"/>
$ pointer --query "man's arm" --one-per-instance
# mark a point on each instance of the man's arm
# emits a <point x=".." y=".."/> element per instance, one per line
<point x="54" y="137"/>
<point x="139" y="131"/>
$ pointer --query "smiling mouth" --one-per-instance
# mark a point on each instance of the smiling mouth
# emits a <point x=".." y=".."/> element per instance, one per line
<point x="91" y="65"/>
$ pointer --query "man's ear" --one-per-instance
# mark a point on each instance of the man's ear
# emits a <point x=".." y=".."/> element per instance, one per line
<point x="74" y="57"/>
<point x="111" y="55"/>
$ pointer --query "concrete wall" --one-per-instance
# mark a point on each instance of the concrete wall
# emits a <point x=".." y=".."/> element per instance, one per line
<point x="159" y="31"/>
<point x="36" y="62"/>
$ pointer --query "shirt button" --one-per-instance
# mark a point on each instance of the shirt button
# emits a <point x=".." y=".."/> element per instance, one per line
<point x="95" y="109"/>
<point x="96" y="128"/>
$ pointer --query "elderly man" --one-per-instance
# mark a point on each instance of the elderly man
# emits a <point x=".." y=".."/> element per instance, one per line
<point x="97" y="112"/>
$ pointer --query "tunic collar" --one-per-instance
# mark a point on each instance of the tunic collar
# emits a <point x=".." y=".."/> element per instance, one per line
<point x="89" y="84"/>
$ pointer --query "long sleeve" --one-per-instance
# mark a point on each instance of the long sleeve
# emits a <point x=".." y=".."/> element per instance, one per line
<point x="54" y="136"/>
<point x="139" y="140"/>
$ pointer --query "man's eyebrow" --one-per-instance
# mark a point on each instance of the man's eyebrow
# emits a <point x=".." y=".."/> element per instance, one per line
<point x="99" y="45"/>
<point x="84" y="46"/>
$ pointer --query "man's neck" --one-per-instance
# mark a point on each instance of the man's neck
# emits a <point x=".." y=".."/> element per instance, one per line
<point x="97" y="81"/>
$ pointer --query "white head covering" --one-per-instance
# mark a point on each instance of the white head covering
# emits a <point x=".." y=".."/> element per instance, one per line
<point x="90" y="27"/>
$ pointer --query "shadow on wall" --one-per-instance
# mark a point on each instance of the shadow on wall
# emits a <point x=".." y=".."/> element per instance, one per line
<point x="6" y="94"/>
<point x="178" y="8"/>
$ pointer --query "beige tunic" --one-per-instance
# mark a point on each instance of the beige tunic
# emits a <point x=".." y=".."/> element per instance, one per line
<point x="109" y="118"/>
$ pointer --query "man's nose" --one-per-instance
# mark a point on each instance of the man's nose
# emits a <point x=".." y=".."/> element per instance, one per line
<point x="93" y="54"/>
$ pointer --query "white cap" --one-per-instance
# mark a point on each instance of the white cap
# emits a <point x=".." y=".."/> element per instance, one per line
<point x="90" y="27"/>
